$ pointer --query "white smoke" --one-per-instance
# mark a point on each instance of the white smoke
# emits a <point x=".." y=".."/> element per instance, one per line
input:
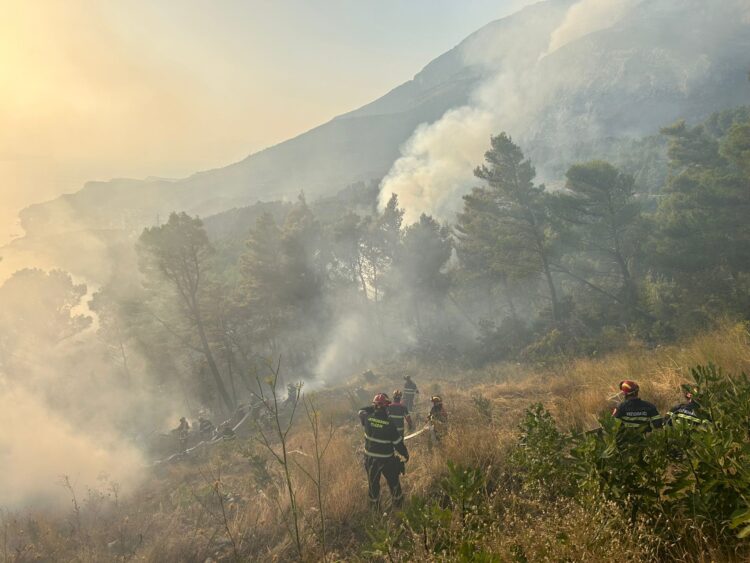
<point x="344" y="351"/>
<point x="38" y="447"/>
<point x="588" y="16"/>
<point x="438" y="159"/>
<point x="436" y="165"/>
<point x="67" y="408"/>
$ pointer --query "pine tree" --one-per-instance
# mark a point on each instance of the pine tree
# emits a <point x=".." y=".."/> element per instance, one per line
<point x="179" y="253"/>
<point x="425" y="250"/>
<point x="703" y="241"/>
<point x="516" y="212"/>
<point x="601" y="215"/>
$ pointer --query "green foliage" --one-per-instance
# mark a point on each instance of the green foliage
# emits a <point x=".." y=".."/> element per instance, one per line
<point x="682" y="477"/>
<point x="703" y="237"/>
<point x="500" y="342"/>
<point x="483" y="406"/>
<point x="511" y="214"/>
<point x="462" y="485"/>
<point x="601" y="218"/>
<point x="539" y="456"/>
<point x="451" y="524"/>
<point x="175" y="259"/>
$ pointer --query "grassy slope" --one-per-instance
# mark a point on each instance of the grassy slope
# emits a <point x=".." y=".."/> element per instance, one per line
<point x="216" y="505"/>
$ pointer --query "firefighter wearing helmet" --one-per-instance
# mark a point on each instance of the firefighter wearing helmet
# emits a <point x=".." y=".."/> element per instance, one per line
<point x="634" y="412"/>
<point x="410" y="392"/>
<point x="437" y="421"/>
<point x="398" y="412"/>
<point x="382" y="441"/>
<point x="689" y="412"/>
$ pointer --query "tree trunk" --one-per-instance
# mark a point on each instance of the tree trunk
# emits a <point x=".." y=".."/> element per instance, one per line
<point x="627" y="280"/>
<point x="123" y="354"/>
<point x="552" y="290"/>
<point x="509" y="299"/>
<point x="230" y="371"/>
<point x="213" y="368"/>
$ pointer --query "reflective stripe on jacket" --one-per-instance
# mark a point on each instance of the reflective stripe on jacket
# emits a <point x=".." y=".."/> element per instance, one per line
<point x="687" y="412"/>
<point x="382" y="438"/>
<point x="398" y="412"/>
<point x="637" y="413"/>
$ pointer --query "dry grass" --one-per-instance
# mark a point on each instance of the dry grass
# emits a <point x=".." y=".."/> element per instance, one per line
<point x="218" y="508"/>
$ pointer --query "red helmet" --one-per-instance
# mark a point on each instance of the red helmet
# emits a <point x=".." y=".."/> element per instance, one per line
<point x="381" y="400"/>
<point x="628" y="387"/>
<point x="689" y="391"/>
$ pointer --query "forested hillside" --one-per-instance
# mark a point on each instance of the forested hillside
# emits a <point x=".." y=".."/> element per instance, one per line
<point x="553" y="211"/>
<point x="524" y="274"/>
<point x="562" y="93"/>
<point x="515" y="479"/>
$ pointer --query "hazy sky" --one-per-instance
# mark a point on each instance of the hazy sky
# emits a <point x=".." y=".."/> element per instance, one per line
<point x="94" y="89"/>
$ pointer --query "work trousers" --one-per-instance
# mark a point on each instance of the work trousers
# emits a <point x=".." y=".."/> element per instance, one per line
<point x="408" y="401"/>
<point x="388" y="467"/>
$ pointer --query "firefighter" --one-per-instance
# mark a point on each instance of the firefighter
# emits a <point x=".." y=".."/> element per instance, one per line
<point x="410" y="392"/>
<point x="382" y="442"/>
<point x="292" y="394"/>
<point x="226" y="431"/>
<point x="437" y="420"/>
<point x="399" y="413"/>
<point x="206" y="428"/>
<point x="634" y="412"/>
<point x="183" y="431"/>
<point x="689" y="412"/>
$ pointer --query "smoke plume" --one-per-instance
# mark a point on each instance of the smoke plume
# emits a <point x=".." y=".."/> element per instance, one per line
<point x="588" y="16"/>
<point x="547" y="78"/>
<point x="39" y="446"/>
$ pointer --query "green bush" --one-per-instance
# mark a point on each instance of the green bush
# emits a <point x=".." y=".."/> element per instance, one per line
<point x="686" y="486"/>
<point x="540" y="456"/>
<point x="679" y="480"/>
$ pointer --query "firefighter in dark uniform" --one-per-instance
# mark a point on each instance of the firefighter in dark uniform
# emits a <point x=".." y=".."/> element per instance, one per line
<point x="183" y="433"/>
<point x="399" y="413"/>
<point x="206" y="428"/>
<point x="382" y="442"/>
<point x="437" y="421"/>
<point x="292" y="395"/>
<point x="689" y="412"/>
<point x="635" y="413"/>
<point x="410" y="392"/>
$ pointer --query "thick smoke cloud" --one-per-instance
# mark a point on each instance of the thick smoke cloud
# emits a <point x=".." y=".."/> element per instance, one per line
<point x="438" y="159"/>
<point x="39" y="446"/>
<point x="558" y="87"/>
<point x="437" y="163"/>
<point x="66" y="407"/>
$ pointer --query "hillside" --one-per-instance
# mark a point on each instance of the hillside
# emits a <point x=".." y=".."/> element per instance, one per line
<point x="626" y="80"/>
<point x="229" y="504"/>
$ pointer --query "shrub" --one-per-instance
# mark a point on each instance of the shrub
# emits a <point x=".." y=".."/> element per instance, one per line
<point x="681" y="481"/>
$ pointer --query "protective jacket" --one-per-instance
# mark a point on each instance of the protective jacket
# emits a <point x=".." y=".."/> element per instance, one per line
<point x="382" y="438"/>
<point x="410" y="390"/>
<point x="438" y="414"/>
<point x="689" y="412"/>
<point x="398" y="413"/>
<point x="637" y="413"/>
<point x="206" y="427"/>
